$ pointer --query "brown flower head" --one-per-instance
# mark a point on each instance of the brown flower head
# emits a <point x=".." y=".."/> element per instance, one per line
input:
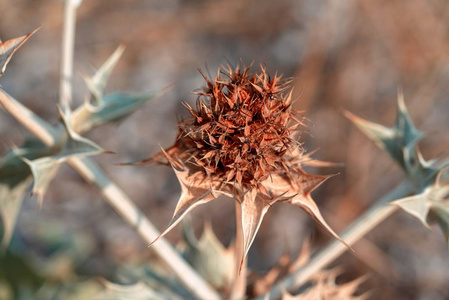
<point x="241" y="141"/>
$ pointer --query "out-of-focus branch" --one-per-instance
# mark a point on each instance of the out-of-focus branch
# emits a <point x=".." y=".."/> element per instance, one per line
<point x="239" y="285"/>
<point x="117" y="199"/>
<point x="46" y="133"/>
<point x="111" y="192"/>
<point x="130" y="213"/>
<point x="68" y="43"/>
<point x="369" y="220"/>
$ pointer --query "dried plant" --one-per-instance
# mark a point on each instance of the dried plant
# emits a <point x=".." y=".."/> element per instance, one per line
<point x="321" y="286"/>
<point x="325" y="287"/>
<point x="8" y="48"/>
<point x="425" y="180"/>
<point x="241" y="141"/>
<point x="430" y="178"/>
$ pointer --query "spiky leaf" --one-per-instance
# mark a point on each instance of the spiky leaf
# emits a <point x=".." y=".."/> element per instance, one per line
<point x="11" y="197"/>
<point x="97" y="83"/>
<point x="325" y="287"/>
<point x="399" y="142"/>
<point x="194" y="192"/>
<point x="431" y="202"/>
<point x="15" y="177"/>
<point x="208" y="256"/>
<point x="8" y="48"/>
<point x="72" y="145"/>
<point x="298" y="192"/>
<point x="114" y="108"/>
<point x="100" y="109"/>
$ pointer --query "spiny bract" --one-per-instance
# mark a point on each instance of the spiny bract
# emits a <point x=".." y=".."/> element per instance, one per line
<point x="241" y="141"/>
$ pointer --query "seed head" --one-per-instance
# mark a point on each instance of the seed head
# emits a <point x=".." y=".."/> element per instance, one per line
<point x="241" y="140"/>
<point x="241" y="128"/>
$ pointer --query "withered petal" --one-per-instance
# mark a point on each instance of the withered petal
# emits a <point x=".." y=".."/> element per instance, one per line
<point x="194" y="192"/>
<point x="163" y="157"/>
<point x="298" y="191"/>
<point x="252" y="210"/>
<point x="309" y="206"/>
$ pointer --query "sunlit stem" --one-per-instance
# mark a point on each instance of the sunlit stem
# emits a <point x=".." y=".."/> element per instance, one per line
<point x="117" y="198"/>
<point x="239" y="286"/>
<point x="94" y="175"/>
<point x="68" y="43"/>
<point x="123" y="205"/>
<point x="40" y="128"/>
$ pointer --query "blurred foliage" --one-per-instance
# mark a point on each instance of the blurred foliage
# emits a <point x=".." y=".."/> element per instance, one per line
<point x="350" y="54"/>
<point x="15" y="178"/>
<point x="429" y="177"/>
<point x="98" y="108"/>
<point x="43" y="162"/>
<point x="8" y="48"/>
<point x="208" y="256"/>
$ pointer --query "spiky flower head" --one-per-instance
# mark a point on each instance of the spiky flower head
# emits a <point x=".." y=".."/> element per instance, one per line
<point x="242" y="128"/>
<point x="241" y="141"/>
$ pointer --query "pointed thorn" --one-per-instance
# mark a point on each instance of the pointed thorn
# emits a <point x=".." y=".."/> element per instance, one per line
<point x="126" y="164"/>
<point x="349" y="115"/>
<point x="134" y="163"/>
<point x="241" y="265"/>
<point x="107" y="152"/>
<point x="171" y="160"/>
<point x="401" y="101"/>
<point x="155" y="240"/>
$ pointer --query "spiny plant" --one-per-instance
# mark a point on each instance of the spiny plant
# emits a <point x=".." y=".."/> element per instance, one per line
<point x="8" y="48"/>
<point x="214" y="261"/>
<point x="40" y="161"/>
<point x="426" y="182"/>
<point x="430" y="178"/>
<point x="241" y="141"/>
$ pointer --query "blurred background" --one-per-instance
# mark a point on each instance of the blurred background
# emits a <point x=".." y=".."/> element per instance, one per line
<point x="350" y="55"/>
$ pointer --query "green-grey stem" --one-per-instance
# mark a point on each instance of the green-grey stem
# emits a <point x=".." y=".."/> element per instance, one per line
<point x="122" y="204"/>
<point x="68" y="43"/>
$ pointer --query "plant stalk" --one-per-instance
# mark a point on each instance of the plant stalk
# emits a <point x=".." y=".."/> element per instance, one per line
<point x="121" y="203"/>
<point x="68" y="43"/>
<point x="37" y="126"/>
<point x="111" y="192"/>
<point x="131" y="214"/>
<point x="369" y="220"/>
<point x="94" y="175"/>
<point x="239" y="285"/>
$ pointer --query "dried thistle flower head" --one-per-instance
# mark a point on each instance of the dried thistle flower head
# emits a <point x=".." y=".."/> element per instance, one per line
<point x="241" y="141"/>
<point x="242" y="128"/>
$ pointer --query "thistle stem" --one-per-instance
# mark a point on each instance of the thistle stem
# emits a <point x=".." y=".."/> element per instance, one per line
<point x="37" y="126"/>
<point x="121" y="203"/>
<point x="68" y="43"/>
<point x="110" y="191"/>
<point x="131" y="214"/>
<point x="239" y="286"/>
<point x="369" y="220"/>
